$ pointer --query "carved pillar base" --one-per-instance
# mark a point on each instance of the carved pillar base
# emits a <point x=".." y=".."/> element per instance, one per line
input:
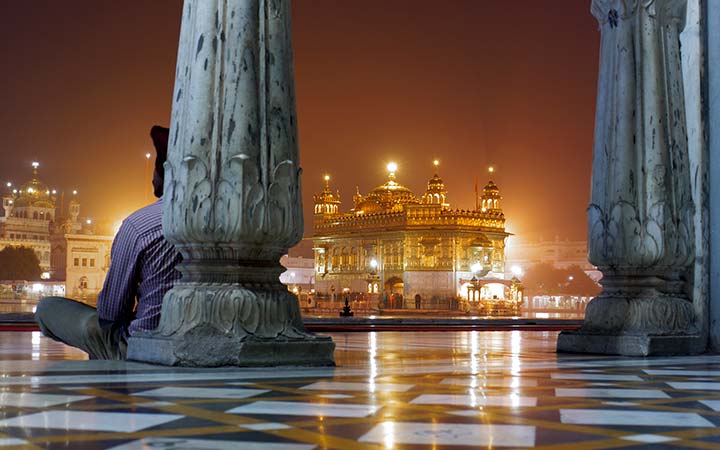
<point x="213" y="326"/>
<point x="630" y="344"/>
<point x="637" y="315"/>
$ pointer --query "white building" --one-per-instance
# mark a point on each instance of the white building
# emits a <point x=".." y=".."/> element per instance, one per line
<point x="562" y="254"/>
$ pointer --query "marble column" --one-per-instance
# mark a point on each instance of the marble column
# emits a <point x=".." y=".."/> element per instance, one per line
<point x="232" y="203"/>
<point x="642" y="216"/>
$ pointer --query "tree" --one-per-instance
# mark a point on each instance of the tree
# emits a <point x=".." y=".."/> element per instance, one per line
<point x="19" y="263"/>
<point x="542" y="279"/>
<point x="579" y="283"/>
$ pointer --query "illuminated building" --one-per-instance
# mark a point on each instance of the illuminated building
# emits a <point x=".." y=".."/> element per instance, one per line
<point x="393" y="246"/>
<point x="67" y="247"/>
<point x="26" y="215"/>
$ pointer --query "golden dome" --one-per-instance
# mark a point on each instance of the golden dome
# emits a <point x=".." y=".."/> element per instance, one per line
<point x="390" y="196"/>
<point x="35" y="193"/>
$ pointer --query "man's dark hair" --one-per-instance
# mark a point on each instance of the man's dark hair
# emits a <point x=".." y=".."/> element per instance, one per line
<point x="159" y="137"/>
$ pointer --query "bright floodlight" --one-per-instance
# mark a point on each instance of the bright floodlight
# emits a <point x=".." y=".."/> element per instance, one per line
<point x="74" y="192"/>
<point x="392" y="167"/>
<point x="491" y="169"/>
<point x="89" y="222"/>
<point x="327" y="177"/>
<point x="9" y="184"/>
<point x="54" y="191"/>
<point x="477" y="267"/>
<point x="373" y="263"/>
<point x="516" y="270"/>
<point x="436" y="163"/>
<point x="35" y="164"/>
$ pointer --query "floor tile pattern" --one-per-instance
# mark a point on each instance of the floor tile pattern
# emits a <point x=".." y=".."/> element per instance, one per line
<point x="389" y="390"/>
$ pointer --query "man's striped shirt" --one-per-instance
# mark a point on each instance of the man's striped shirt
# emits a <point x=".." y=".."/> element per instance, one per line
<point x="142" y="268"/>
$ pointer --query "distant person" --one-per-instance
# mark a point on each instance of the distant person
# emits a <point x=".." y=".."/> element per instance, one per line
<point x="142" y="270"/>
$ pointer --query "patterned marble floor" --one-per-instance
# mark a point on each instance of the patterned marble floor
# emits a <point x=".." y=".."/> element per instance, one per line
<point x="390" y="390"/>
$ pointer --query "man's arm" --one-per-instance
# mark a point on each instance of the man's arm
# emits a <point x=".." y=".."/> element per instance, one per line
<point x="117" y="298"/>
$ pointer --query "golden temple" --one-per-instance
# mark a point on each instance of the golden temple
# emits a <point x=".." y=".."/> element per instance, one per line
<point x="400" y="251"/>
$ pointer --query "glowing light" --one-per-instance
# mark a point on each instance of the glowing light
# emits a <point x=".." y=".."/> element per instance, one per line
<point x="9" y="184"/>
<point x="388" y="434"/>
<point x="116" y="228"/>
<point x="372" y="359"/>
<point x="15" y="191"/>
<point x="31" y="190"/>
<point x="35" y="164"/>
<point x="45" y="276"/>
<point x="292" y="274"/>
<point x="54" y="191"/>
<point x="74" y="193"/>
<point x="147" y="155"/>
<point x="570" y="278"/>
<point x="516" y="270"/>
<point x="10" y="202"/>
<point x="392" y="167"/>
<point x="491" y="169"/>
<point x="327" y="177"/>
<point x="436" y="163"/>
<point x="477" y="267"/>
<point x="37" y="288"/>
<point x="89" y="222"/>
<point x="373" y="263"/>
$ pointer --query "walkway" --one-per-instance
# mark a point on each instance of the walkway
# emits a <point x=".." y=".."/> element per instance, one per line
<point x="390" y="390"/>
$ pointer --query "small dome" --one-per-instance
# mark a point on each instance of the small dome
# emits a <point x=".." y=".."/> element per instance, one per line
<point x="436" y="184"/>
<point x="491" y="187"/>
<point x="327" y="202"/>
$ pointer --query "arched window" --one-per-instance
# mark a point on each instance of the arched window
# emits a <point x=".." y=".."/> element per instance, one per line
<point x="35" y="215"/>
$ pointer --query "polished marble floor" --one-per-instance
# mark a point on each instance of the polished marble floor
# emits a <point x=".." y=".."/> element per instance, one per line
<point x="390" y="390"/>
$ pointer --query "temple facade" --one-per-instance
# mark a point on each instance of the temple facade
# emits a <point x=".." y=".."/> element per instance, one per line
<point x="26" y="216"/>
<point x="409" y="251"/>
<point x="69" y="248"/>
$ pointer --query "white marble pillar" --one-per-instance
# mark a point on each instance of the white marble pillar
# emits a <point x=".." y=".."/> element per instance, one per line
<point x="642" y="229"/>
<point x="232" y="202"/>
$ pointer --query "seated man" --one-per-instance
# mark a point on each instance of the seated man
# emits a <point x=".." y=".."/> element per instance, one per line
<point x="142" y="268"/>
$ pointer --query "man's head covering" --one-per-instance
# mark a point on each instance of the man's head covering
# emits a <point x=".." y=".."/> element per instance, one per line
<point x="160" y="136"/>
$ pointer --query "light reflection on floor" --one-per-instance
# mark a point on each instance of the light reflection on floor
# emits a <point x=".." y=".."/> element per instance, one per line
<point x="440" y="389"/>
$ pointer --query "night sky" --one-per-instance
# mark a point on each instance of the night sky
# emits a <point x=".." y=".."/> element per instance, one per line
<point x="470" y="82"/>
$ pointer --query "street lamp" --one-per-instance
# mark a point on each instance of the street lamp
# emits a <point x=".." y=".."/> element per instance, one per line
<point x="147" y="174"/>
